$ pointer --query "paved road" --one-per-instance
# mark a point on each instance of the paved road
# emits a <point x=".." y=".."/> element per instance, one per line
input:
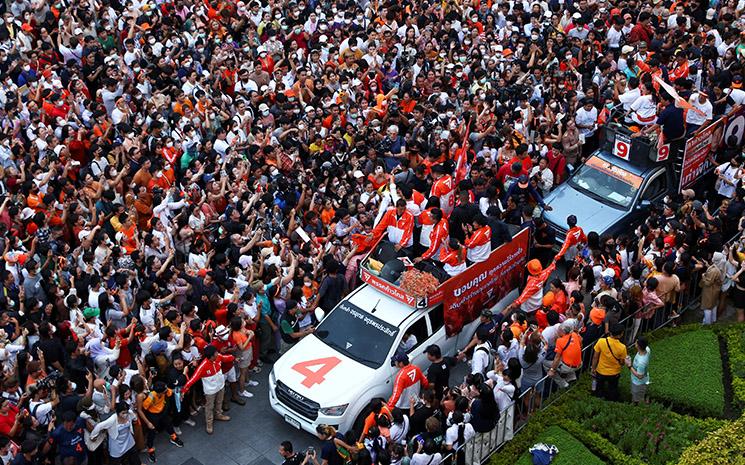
<point x="252" y="436"/>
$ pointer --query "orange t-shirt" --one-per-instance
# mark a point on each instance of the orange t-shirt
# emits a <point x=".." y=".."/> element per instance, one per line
<point x="572" y="355"/>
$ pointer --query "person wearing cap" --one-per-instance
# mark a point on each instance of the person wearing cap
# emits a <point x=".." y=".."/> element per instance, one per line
<point x="524" y="193"/>
<point x="608" y="359"/>
<point x="407" y="383"/>
<point x="210" y="373"/>
<point x="531" y="297"/>
<point x="289" y="324"/>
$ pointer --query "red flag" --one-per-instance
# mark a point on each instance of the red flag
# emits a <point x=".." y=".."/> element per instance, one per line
<point x="461" y="157"/>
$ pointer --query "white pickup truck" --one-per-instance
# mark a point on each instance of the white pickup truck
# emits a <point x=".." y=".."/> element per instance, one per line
<point x="330" y="376"/>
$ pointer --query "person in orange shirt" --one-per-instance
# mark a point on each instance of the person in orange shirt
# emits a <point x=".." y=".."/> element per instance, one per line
<point x="128" y="231"/>
<point x="443" y="188"/>
<point x="35" y="199"/>
<point x="438" y="235"/>
<point x="398" y="223"/>
<point x="563" y="368"/>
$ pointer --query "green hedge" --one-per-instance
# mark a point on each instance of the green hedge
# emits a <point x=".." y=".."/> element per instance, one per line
<point x="651" y="432"/>
<point x="723" y="447"/>
<point x="571" y="451"/>
<point x="735" y="337"/>
<point x="686" y="372"/>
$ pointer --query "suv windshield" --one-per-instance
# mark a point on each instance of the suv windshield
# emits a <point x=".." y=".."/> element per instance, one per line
<point x="607" y="181"/>
<point x="357" y="334"/>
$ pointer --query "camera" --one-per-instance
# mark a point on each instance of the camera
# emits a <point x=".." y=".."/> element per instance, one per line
<point x="49" y="381"/>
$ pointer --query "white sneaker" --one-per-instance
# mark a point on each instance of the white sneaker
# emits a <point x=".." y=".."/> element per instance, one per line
<point x="177" y="430"/>
<point x="246" y="394"/>
<point x="190" y="422"/>
<point x="252" y="383"/>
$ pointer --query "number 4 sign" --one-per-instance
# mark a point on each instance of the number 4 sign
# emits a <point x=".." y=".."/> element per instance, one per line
<point x="325" y="365"/>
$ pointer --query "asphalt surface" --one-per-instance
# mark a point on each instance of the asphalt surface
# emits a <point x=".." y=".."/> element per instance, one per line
<point x="252" y="436"/>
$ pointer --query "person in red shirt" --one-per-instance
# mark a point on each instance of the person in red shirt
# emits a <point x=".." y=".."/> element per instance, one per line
<point x="478" y="241"/>
<point x="210" y="372"/>
<point x="438" y="236"/>
<point x="453" y="257"/>
<point x="399" y="224"/>
<point x="575" y="237"/>
<point x="408" y="382"/>
<point x="443" y="188"/>
<point x="642" y="31"/>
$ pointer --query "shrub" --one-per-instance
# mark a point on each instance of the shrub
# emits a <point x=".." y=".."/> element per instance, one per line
<point x="722" y="447"/>
<point x="686" y="372"/>
<point x="651" y="433"/>
<point x="735" y="337"/>
<point x="571" y="451"/>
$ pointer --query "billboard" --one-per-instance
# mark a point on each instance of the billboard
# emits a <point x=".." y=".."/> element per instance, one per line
<point x="484" y="284"/>
<point x="702" y="146"/>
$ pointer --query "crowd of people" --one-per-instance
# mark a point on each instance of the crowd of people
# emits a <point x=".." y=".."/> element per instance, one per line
<point x="183" y="183"/>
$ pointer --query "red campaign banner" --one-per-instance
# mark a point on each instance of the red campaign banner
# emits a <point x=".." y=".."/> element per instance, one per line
<point x="696" y="158"/>
<point x="484" y="284"/>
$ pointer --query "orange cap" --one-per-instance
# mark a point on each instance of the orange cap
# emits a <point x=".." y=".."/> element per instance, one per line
<point x="534" y="267"/>
<point x="597" y="315"/>
<point x="548" y="299"/>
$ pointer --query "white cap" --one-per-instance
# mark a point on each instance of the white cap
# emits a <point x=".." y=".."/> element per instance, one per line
<point x="710" y="13"/>
<point x="323" y="39"/>
<point x="627" y="49"/>
<point x="26" y="213"/>
<point x="577" y="15"/>
<point x="358" y="174"/>
<point x="83" y="234"/>
<point x="261" y="49"/>
<point x="263" y="107"/>
<point x="222" y="333"/>
<point x="77" y="31"/>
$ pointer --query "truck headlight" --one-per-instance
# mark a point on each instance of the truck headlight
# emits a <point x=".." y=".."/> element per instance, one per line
<point x="336" y="411"/>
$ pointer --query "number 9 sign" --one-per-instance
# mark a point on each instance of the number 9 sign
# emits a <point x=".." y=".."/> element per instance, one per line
<point x="621" y="149"/>
<point x="735" y="127"/>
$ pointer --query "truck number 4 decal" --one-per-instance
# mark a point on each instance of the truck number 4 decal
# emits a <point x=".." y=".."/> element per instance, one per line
<point x="325" y="365"/>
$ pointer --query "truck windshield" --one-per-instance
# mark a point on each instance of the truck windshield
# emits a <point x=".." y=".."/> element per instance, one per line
<point x="604" y="180"/>
<point x="357" y="334"/>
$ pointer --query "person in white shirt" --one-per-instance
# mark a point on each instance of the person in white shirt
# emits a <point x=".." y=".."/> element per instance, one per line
<point x="644" y="110"/>
<point x="546" y="179"/>
<point x="615" y="34"/>
<point x="586" y="120"/>
<point x="672" y="20"/>
<point x="480" y="362"/>
<point x="458" y="433"/>
<point x="630" y="95"/>
<point x="694" y="119"/>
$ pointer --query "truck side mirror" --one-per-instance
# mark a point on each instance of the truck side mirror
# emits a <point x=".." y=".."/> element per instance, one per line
<point x="320" y="314"/>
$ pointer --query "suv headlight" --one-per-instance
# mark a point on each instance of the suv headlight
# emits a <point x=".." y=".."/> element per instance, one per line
<point x="272" y="378"/>
<point x="336" y="411"/>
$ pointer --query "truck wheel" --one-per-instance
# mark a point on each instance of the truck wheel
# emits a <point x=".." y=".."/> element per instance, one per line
<point x="359" y="422"/>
